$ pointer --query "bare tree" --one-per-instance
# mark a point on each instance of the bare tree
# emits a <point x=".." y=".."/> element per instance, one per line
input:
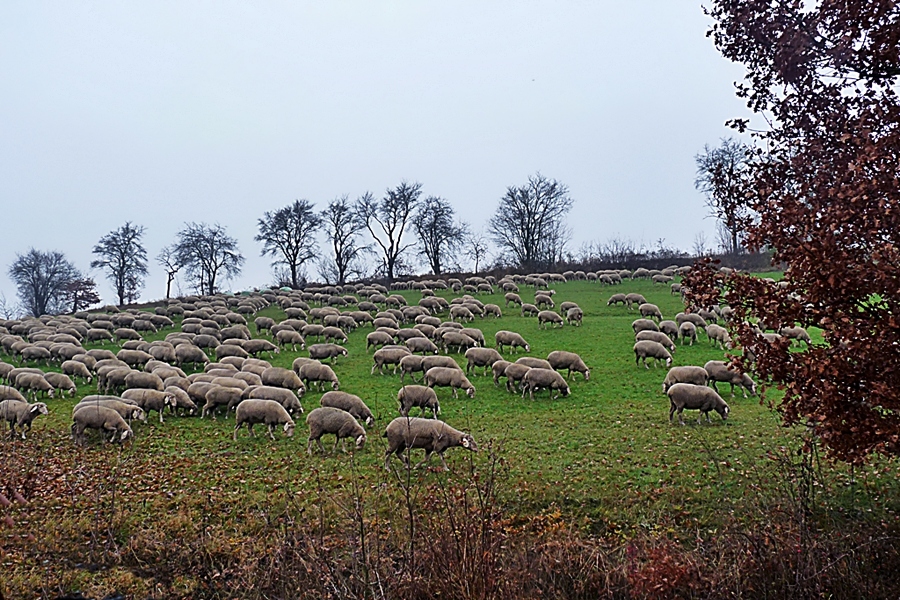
<point x="289" y="235"/>
<point x="529" y="224"/>
<point x="41" y="279"/>
<point x="386" y="221"/>
<point x="700" y="248"/>
<point x="440" y="239"/>
<point x="7" y="310"/>
<point x="81" y="293"/>
<point x="124" y="259"/>
<point x="168" y="259"/>
<point x="206" y="252"/>
<point x="477" y="248"/>
<point x="723" y="175"/>
<point x="342" y="228"/>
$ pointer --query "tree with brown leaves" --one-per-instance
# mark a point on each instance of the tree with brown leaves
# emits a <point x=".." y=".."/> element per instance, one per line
<point x="825" y="185"/>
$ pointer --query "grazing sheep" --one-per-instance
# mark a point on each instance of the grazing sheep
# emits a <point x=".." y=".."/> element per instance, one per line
<point x="289" y="336"/>
<point x="378" y="338"/>
<point x="514" y="373"/>
<point x="263" y="323"/>
<point x="543" y="379"/>
<point x="421" y="344"/>
<point x="134" y="358"/>
<point x="231" y="350"/>
<point x="689" y="374"/>
<point x="534" y="363"/>
<point x="492" y="310"/>
<point x="351" y="403"/>
<point x="670" y="328"/>
<point x="390" y="355"/>
<point x="458" y="339"/>
<point x="695" y="397"/>
<point x="256" y="347"/>
<point x="461" y="313"/>
<point x="269" y="412"/>
<point x="718" y="335"/>
<point x="141" y="380"/>
<point x="418" y="395"/>
<point x="197" y="391"/>
<point x="647" y="349"/>
<point x="318" y="373"/>
<point x="188" y="353"/>
<point x="325" y="351"/>
<point x="687" y="330"/>
<point x="798" y="334"/>
<point x="634" y="298"/>
<point x="481" y="357"/>
<point x="574" y="316"/>
<point x="439" y="361"/>
<point x="650" y="310"/>
<point x="410" y="364"/>
<point x="429" y="434"/>
<point x="639" y="325"/>
<point x="102" y="419"/>
<point x="449" y="377"/>
<point x="232" y="382"/>
<point x="656" y="336"/>
<point x="61" y="383"/>
<point x="560" y="359"/>
<point x="497" y="370"/>
<point x="128" y="411"/>
<point x="617" y="299"/>
<point x="512" y="298"/>
<point x="20" y="414"/>
<point x="283" y="378"/>
<point x="11" y="393"/>
<point x="543" y="301"/>
<point x="182" y="400"/>
<point x="218" y="395"/>
<point x="334" y="421"/>
<point x="694" y="318"/>
<point x="510" y="338"/>
<point x="35" y="383"/>
<point x="282" y="396"/>
<point x="719" y="371"/>
<point x="530" y="310"/>
<point x="548" y="316"/>
<point x="149" y="400"/>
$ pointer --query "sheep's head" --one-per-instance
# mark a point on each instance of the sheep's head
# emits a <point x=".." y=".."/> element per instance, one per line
<point x="669" y="362"/>
<point x="470" y="391"/>
<point x="39" y="408"/>
<point x="468" y="442"/>
<point x="370" y="420"/>
<point x="723" y="411"/>
<point x="335" y="385"/>
<point x="126" y="433"/>
<point x="289" y="428"/>
<point x="360" y="441"/>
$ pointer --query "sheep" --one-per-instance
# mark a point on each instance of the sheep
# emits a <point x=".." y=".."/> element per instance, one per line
<point x="334" y="333"/>
<point x="534" y="363"/>
<point x="188" y="353"/>
<point x="421" y="344"/>
<point x="510" y="338"/>
<point x="449" y="377"/>
<point x="151" y="400"/>
<point x="634" y="298"/>
<point x="36" y="353"/>
<point x="335" y="421"/>
<point x="695" y="397"/>
<point x="390" y="355"/>
<point x="687" y="330"/>
<point x="34" y="382"/>
<point x="231" y="382"/>
<point x="134" y="358"/>
<point x="718" y="335"/>
<point x="20" y="414"/>
<point x="217" y="396"/>
<point x="318" y="373"/>
<point x="378" y="338"/>
<point x="351" y="403"/>
<point x="128" y="411"/>
<point x="283" y="378"/>
<point x="492" y="310"/>
<point x="656" y="336"/>
<point x="481" y="357"/>
<point x="639" y="325"/>
<point x="645" y="349"/>
<point x="263" y="323"/>
<point x="694" y="318"/>
<point x="497" y="370"/>
<point x="543" y="301"/>
<point x="11" y="393"/>
<point x="410" y="364"/>
<point x="574" y="316"/>
<point x="61" y="382"/>
<point x="282" y="396"/>
<point x="798" y="334"/>
<point x="429" y="434"/>
<point x="461" y="313"/>
<point x="688" y="374"/>
<point x="548" y="316"/>
<point x="538" y="379"/>
<point x="269" y="412"/>
<point x="439" y="361"/>
<point x="670" y="328"/>
<point x="458" y="339"/>
<point x="141" y="380"/>
<point x="650" y="310"/>
<point x="514" y="373"/>
<point x="289" y="336"/>
<point x="529" y="310"/>
<point x="255" y="347"/>
<point x="231" y="350"/>
<point x="560" y="359"/>
<point x="418" y="395"/>
<point x="475" y="334"/>
<point x="719" y="370"/>
<point x="616" y="299"/>
<point x="324" y="351"/>
<point x="182" y="400"/>
<point x="100" y="418"/>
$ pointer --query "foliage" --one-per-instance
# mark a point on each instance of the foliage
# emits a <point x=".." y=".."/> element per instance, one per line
<point x="723" y="176"/>
<point x="439" y="237"/>
<point x="824" y="77"/>
<point x="206" y="252"/>
<point x="342" y="228"/>
<point x="289" y="235"/>
<point x="41" y="278"/>
<point x="81" y="293"/>
<point x="529" y="224"/>
<point x="124" y="258"/>
<point x="386" y="221"/>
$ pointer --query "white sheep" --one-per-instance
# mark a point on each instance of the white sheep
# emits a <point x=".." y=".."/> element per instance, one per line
<point x="549" y="316"/>
<point x="102" y="419"/>
<point x="543" y="379"/>
<point x="719" y="370"/>
<point x="695" y="397"/>
<point x="340" y="423"/>
<point x="20" y="414"/>
<point x="429" y="434"/>
<point x="449" y="377"/>
<point x="648" y="349"/>
<point x="510" y="338"/>
<point x="351" y="403"/>
<point x="418" y="395"/>
<point x="656" y="336"/>
<point x="269" y="412"/>
<point x="650" y="310"/>
<point x="560" y="359"/>
<point x="687" y="374"/>
<point x="481" y="357"/>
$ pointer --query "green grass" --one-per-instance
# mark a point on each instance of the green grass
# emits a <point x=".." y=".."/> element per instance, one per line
<point x="606" y="457"/>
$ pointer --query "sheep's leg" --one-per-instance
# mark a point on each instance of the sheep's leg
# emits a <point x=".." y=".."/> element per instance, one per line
<point x="272" y="432"/>
<point x="425" y="461"/>
<point x="680" y="415"/>
<point x="234" y="435"/>
<point x="160" y="411"/>
<point x="334" y="448"/>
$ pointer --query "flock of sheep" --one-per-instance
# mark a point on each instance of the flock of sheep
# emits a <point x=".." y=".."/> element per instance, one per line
<point x="210" y="335"/>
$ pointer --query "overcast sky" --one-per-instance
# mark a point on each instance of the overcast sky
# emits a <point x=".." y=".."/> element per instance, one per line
<point x="166" y="112"/>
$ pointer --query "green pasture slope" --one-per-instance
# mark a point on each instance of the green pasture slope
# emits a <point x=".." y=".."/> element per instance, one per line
<point x="606" y="456"/>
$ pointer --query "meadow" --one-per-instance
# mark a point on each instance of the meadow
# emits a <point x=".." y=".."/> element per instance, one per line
<point x="185" y="511"/>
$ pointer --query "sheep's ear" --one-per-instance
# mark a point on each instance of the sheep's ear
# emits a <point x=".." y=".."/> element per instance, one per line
<point x="465" y="442"/>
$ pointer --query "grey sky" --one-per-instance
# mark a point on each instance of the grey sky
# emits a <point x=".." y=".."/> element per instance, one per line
<point x="166" y="112"/>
